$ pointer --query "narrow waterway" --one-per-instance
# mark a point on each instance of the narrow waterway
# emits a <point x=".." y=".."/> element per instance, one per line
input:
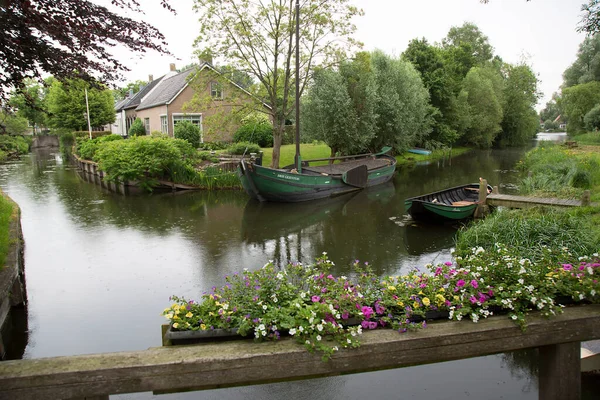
<point x="100" y="267"/>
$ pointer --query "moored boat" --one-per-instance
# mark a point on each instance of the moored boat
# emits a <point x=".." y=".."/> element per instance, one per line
<point x="306" y="182"/>
<point x="452" y="204"/>
<point x="418" y="150"/>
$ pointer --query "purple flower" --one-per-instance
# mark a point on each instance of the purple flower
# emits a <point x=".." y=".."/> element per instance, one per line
<point x="372" y="325"/>
<point x="345" y="315"/>
<point x="324" y="290"/>
<point x="473" y="300"/>
<point x="379" y="309"/>
<point x="474" y="284"/>
<point x="567" y="267"/>
<point x="438" y="271"/>
<point x="460" y="283"/>
<point x="315" y="299"/>
<point x="367" y="311"/>
<point x="448" y="263"/>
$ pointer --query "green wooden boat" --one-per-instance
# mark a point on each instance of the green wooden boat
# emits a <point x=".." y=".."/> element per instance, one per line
<point x="454" y="204"/>
<point x="348" y="174"/>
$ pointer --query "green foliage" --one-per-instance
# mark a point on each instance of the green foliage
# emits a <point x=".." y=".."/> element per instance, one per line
<point x="551" y="125"/>
<point x="67" y="109"/>
<point x="30" y="103"/>
<point x="14" y="144"/>
<point x="7" y="213"/>
<point x="187" y="131"/>
<point x="143" y="159"/>
<point x="552" y="109"/>
<point x="577" y="101"/>
<point x="259" y="132"/>
<point x="137" y="128"/>
<point x="243" y="147"/>
<point x="469" y="35"/>
<point x="530" y="233"/>
<point x="586" y="67"/>
<point x="592" y="119"/>
<point x="66" y="140"/>
<point x="520" y="121"/>
<point x="481" y="98"/>
<point x="87" y="149"/>
<point x="211" y="146"/>
<point x="95" y="134"/>
<point x="12" y="124"/>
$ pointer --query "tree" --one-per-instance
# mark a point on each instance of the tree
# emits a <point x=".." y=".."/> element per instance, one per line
<point x="12" y="124"/>
<point x="482" y="100"/>
<point x="68" y="39"/>
<point x="429" y="61"/>
<point x="67" y="108"/>
<point x="520" y="95"/>
<point x="470" y="35"/>
<point x="258" y="38"/>
<point x="586" y="67"/>
<point x="123" y="92"/>
<point x="552" y="109"/>
<point x="592" y="119"/>
<point x="577" y="101"/>
<point x="340" y="106"/>
<point x="30" y="103"/>
<point x="403" y="110"/>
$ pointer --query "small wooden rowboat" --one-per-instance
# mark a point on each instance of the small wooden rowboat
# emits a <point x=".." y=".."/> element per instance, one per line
<point x="452" y="204"/>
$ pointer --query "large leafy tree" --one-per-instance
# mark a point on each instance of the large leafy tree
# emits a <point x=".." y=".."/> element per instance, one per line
<point x="68" y="39"/>
<point x="481" y="98"/>
<point x="577" y="101"/>
<point x="67" y="108"/>
<point x="469" y="35"/>
<point x="30" y="103"/>
<point x="340" y="106"/>
<point x="520" y="95"/>
<point x="586" y="67"/>
<point x="11" y="123"/>
<point x="403" y="110"/>
<point x="259" y="38"/>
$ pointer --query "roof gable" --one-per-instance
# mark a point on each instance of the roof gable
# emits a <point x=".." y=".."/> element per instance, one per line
<point x="168" y="89"/>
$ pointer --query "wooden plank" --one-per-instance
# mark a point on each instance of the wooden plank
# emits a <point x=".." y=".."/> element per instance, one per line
<point x="244" y="362"/>
<point x="560" y="372"/>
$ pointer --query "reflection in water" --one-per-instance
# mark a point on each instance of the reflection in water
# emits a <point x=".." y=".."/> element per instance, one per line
<point x="103" y="265"/>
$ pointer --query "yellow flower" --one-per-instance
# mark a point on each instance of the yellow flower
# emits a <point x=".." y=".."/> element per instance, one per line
<point x="182" y="307"/>
<point x="189" y="315"/>
<point x="217" y="304"/>
<point x="166" y="310"/>
<point x="439" y="299"/>
<point x="391" y="288"/>
<point x="401" y="304"/>
<point x="421" y="292"/>
<point x="203" y="327"/>
<point x="442" y="290"/>
<point x="212" y="314"/>
<point x="416" y="304"/>
<point x="175" y="306"/>
<point x="177" y="311"/>
<point x="456" y="298"/>
<point x="175" y="325"/>
<point x="426" y="301"/>
<point x="176" y="317"/>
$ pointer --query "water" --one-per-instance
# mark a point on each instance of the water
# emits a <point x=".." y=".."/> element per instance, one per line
<point x="100" y="266"/>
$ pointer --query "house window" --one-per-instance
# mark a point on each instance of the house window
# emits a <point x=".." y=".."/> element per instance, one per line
<point x="195" y="119"/>
<point x="147" y="125"/>
<point x="216" y="91"/>
<point x="164" y="128"/>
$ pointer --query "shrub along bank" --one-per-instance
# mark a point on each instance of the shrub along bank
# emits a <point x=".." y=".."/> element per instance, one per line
<point x="11" y="146"/>
<point x="8" y="211"/>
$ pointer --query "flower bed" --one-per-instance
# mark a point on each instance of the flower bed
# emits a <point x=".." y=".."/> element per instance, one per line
<point x="326" y="313"/>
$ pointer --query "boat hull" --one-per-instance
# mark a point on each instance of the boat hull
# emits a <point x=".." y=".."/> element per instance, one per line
<point x="268" y="184"/>
<point x="454" y="204"/>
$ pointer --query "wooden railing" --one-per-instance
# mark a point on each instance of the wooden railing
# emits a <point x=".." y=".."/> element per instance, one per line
<point x="244" y="362"/>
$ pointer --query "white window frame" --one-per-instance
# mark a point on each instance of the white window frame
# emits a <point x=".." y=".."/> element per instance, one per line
<point x="192" y="117"/>
<point x="164" y="123"/>
<point x="147" y="125"/>
<point x="216" y="90"/>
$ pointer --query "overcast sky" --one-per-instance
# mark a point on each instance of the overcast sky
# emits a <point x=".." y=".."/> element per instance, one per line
<point x="540" y="32"/>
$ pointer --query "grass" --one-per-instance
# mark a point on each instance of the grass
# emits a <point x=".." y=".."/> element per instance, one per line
<point x="312" y="151"/>
<point x="529" y="233"/>
<point x="590" y="138"/>
<point x="7" y="209"/>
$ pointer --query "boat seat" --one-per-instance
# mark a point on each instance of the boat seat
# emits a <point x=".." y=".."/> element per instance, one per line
<point x="463" y="203"/>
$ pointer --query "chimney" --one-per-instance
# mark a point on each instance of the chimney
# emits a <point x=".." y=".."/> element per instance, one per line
<point x="150" y="78"/>
<point x="172" y="66"/>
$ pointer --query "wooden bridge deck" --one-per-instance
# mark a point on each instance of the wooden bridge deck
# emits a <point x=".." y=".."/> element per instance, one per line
<point x="244" y="362"/>
<point x="506" y="200"/>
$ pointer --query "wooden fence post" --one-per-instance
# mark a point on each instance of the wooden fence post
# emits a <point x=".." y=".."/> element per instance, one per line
<point x="560" y="372"/>
<point x="482" y="208"/>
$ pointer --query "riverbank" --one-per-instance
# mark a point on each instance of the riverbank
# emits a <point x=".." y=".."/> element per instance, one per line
<point x="12" y="267"/>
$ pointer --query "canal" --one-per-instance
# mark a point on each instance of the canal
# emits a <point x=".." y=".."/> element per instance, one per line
<point x="100" y="267"/>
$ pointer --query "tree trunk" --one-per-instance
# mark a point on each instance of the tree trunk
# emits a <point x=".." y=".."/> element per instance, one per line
<point x="277" y="137"/>
<point x="333" y="152"/>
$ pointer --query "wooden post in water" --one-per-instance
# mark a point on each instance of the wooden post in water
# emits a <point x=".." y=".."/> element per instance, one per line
<point x="482" y="208"/>
<point x="560" y="372"/>
<point x="585" y="199"/>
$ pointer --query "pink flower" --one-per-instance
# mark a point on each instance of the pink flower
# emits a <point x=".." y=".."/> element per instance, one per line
<point x="460" y="283"/>
<point x="315" y="299"/>
<point x="448" y="263"/>
<point x="438" y="271"/>
<point x="567" y="267"/>
<point x="474" y="284"/>
<point x="379" y="309"/>
<point x="367" y="311"/>
<point x="473" y="300"/>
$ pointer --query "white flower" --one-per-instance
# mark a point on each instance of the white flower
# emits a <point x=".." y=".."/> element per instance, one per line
<point x="279" y="275"/>
<point x="349" y="341"/>
<point x="475" y="317"/>
<point x="225" y="306"/>
<point x="324" y="253"/>
<point x="479" y="250"/>
<point x="311" y="320"/>
<point x="264" y="307"/>
<point x="307" y="342"/>
<point x="521" y="281"/>
<point x="293" y="331"/>
<point x="301" y="328"/>
<point x="593" y="292"/>
<point x="302" y="295"/>
<point x="514" y="317"/>
<point x="335" y="348"/>
<point x="581" y="296"/>
<point x="261" y="327"/>
<point x="590" y="270"/>
<point x="319" y="327"/>
<point x="274" y="299"/>
<point x="318" y="338"/>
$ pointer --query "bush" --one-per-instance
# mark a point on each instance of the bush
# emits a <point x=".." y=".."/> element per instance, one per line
<point x="141" y="159"/>
<point x="212" y="146"/>
<point x="241" y="147"/>
<point x="87" y="149"/>
<point x="95" y="134"/>
<point x="187" y="131"/>
<point x="260" y="133"/>
<point x="66" y="140"/>
<point x="592" y="119"/>
<point x="137" y="128"/>
<point x="14" y="144"/>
